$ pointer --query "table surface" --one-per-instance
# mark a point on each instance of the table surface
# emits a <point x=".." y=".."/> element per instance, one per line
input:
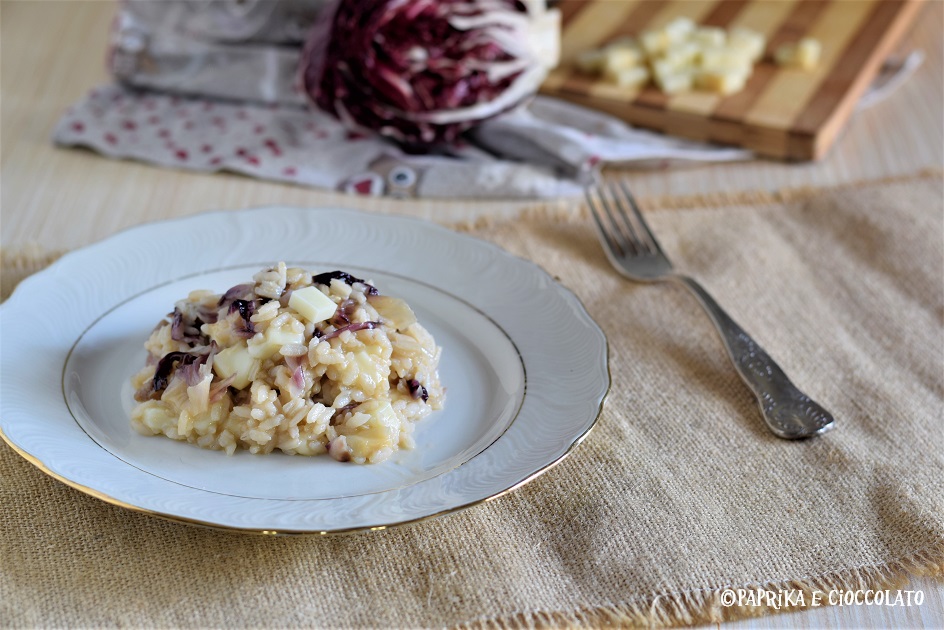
<point x="52" y="53"/>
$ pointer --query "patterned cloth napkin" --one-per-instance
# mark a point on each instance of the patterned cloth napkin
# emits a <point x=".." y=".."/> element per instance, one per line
<point x="210" y="86"/>
<point x="679" y="496"/>
<point x="556" y="146"/>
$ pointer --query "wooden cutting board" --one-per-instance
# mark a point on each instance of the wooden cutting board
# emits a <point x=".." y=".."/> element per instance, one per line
<point x="783" y="113"/>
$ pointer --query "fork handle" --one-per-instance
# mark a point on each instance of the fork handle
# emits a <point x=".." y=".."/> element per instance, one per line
<point x="788" y="412"/>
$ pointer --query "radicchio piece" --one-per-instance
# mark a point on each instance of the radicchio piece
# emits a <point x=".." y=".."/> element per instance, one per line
<point x="343" y="276"/>
<point x="219" y="388"/>
<point x="168" y="363"/>
<point x="245" y="308"/>
<point x="185" y="324"/>
<point x="238" y="292"/>
<point x="346" y="309"/>
<point x="420" y="72"/>
<point x="177" y="325"/>
<point x="417" y="390"/>
<point x="351" y="327"/>
<point x="336" y="416"/>
<point x="339" y="450"/>
<point x="298" y="378"/>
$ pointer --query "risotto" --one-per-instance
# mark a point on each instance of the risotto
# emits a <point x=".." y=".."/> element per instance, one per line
<point x="306" y="364"/>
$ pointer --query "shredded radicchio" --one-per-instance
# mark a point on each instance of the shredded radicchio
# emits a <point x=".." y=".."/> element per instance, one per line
<point x="239" y="292"/>
<point x="245" y="308"/>
<point x="167" y="365"/>
<point x="342" y="316"/>
<point x="182" y="329"/>
<point x="417" y="390"/>
<point x="336" y="417"/>
<point x="353" y="328"/>
<point x="343" y="276"/>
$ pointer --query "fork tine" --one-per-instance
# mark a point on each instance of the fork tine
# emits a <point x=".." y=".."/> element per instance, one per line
<point x="620" y="221"/>
<point x="634" y="207"/>
<point x="595" y="209"/>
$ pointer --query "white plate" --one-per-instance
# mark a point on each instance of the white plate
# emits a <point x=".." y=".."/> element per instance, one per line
<point x="524" y="365"/>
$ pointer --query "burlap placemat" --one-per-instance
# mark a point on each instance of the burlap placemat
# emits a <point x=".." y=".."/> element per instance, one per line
<point x="676" y="495"/>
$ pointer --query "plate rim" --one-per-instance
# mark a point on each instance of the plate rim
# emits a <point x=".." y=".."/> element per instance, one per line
<point x="129" y="231"/>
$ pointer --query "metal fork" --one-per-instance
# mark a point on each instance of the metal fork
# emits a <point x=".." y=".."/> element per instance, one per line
<point x="635" y="253"/>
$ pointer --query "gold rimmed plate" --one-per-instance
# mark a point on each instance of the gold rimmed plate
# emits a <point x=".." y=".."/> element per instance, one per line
<point x="524" y="365"/>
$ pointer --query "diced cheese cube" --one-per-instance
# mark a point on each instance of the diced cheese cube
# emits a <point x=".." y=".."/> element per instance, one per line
<point x="264" y="346"/>
<point x="621" y="58"/>
<point x="747" y="42"/>
<point x="662" y="68"/>
<point x="151" y="417"/>
<point x="808" y="52"/>
<point x="709" y="36"/>
<point x="381" y="431"/>
<point x="679" y="29"/>
<point x="682" y="54"/>
<point x="804" y="55"/>
<point x="630" y="77"/>
<point x="284" y="336"/>
<point x="721" y="82"/>
<point x="236" y="360"/>
<point x="724" y="58"/>
<point x="371" y="371"/>
<point x="674" y="82"/>
<point x="312" y="304"/>
<point x="654" y="42"/>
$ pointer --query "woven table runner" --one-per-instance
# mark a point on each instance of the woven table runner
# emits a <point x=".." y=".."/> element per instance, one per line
<point x="678" y="493"/>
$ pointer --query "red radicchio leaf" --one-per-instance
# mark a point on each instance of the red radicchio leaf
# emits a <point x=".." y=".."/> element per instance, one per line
<point x="417" y="390"/>
<point x="326" y="278"/>
<point x="166" y="366"/>
<point x="219" y="388"/>
<point x="298" y="378"/>
<point x="245" y="308"/>
<point x="419" y="72"/>
<point x="238" y="292"/>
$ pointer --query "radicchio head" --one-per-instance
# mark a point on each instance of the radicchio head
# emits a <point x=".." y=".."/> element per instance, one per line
<point x="421" y="72"/>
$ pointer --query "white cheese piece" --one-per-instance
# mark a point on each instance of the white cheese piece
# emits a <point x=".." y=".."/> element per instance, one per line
<point x="674" y="82"/>
<point x="747" y="42"/>
<point x="803" y="55"/>
<point x="654" y="42"/>
<point x="682" y="54"/>
<point x="312" y="304"/>
<point x="630" y="77"/>
<point x="709" y="36"/>
<point x="721" y="58"/>
<point x="620" y="58"/>
<point x="720" y="81"/>
<point x="808" y="52"/>
<point x="237" y="361"/>
<point x="264" y="346"/>
<point x="380" y="431"/>
<point x="678" y="30"/>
